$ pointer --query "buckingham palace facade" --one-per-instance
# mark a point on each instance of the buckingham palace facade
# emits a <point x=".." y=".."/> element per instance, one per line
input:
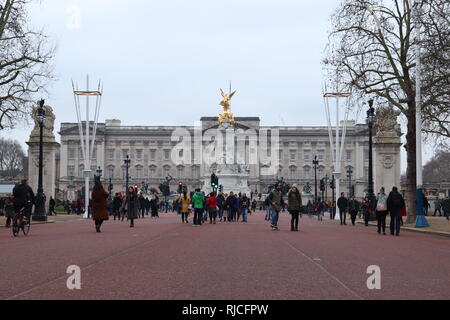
<point x="150" y="151"/>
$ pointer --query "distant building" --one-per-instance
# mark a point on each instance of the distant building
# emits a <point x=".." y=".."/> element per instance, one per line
<point x="150" y="149"/>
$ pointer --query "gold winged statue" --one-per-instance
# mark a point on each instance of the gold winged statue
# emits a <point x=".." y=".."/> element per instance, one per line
<point x="225" y="103"/>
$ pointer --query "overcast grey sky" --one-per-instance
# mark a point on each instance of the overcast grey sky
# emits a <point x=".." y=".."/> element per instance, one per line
<point x="163" y="61"/>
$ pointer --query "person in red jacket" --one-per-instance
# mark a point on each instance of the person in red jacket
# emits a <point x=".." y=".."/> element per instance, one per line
<point x="211" y="204"/>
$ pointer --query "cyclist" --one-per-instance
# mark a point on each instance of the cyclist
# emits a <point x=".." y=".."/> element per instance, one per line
<point x="23" y="198"/>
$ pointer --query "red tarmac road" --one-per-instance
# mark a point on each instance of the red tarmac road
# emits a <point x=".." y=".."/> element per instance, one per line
<point x="163" y="259"/>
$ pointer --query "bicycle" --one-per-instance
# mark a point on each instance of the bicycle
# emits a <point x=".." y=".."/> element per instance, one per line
<point x="20" y="221"/>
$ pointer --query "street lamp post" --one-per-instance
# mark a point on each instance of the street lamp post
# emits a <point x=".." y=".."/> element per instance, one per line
<point x="39" y="210"/>
<point x="127" y="162"/>
<point x="370" y="123"/>
<point x="315" y="163"/>
<point x="333" y="205"/>
<point x="99" y="173"/>
<point x="349" y="176"/>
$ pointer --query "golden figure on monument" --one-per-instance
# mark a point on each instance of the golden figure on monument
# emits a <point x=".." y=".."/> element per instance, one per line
<point x="225" y="103"/>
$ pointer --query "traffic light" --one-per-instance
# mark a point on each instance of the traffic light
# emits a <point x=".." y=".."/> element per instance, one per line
<point x="214" y="181"/>
<point x="180" y="187"/>
<point x="333" y="184"/>
<point x="322" y="185"/>
<point x="221" y="189"/>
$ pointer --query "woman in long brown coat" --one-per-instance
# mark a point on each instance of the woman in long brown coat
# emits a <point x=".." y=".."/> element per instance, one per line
<point x="131" y="206"/>
<point x="99" y="205"/>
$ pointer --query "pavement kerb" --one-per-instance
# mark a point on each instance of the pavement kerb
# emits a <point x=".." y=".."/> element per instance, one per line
<point x="436" y="233"/>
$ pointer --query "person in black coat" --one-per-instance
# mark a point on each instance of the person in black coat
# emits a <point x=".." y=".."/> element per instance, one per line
<point x="395" y="205"/>
<point x="343" y="207"/>
<point x="353" y="208"/>
<point x="23" y="197"/>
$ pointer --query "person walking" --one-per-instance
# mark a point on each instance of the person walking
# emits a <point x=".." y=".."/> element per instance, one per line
<point x="382" y="211"/>
<point x="310" y="209"/>
<point x="154" y="206"/>
<point x="276" y="200"/>
<point x="9" y="210"/>
<point x="232" y="207"/>
<point x="437" y="207"/>
<point x="294" y="206"/>
<point x="446" y="207"/>
<point x="221" y="205"/>
<point x="51" y="206"/>
<point x="254" y="205"/>
<point x="130" y="205"/>
<point x="426" y="204"/>
<point x="395" y="204"/>
<point x="141" y="206"/>
<point x="99" y="205"/>
<point x="211" y="204"/>
<point x="343" y="207"/>
<point x="117" y="203"/>
<point x="198" y="202"/>
<point x="185" y="202"/>
<point x="245" y="207"/>
<point x="353" y="209"/>
<point x="267" y="208"/>
<point x="320" y="209"/>
<point x="366" y="211"/>
<point x="238" y="207"/>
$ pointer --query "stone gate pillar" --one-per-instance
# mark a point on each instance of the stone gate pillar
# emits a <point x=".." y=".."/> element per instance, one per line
<point x="50" y="148"/>
<point x="387" y="144"/>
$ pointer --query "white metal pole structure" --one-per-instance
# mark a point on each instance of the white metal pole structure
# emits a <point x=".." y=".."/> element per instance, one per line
<point x="421" y="221"/>
<point x="87" y="143"/>
<point x="338" y="147"/>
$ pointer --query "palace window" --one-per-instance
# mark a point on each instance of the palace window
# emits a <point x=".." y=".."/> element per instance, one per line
<point x="111" y="155"/>
<point x="293" y="155"/>
<point x="293" y="173"/>
<point x="307" y="155"/>
<point x="139" y="173"/>
<point x="306" y="174"/>
<point x="166" y="172"/>
<point x="195" y="173"/>
<point x="349" y="156"/>
<point x="167" y="155"/>
<point x="180" y="173"/>
<point x="138" y="155"/>
<point x="152" y="155"/>
<point x="111" y="172"/>
<point x="71" y="154"/>
<point x="71" y="171"/>
<point x="152" y="173"/>
<point x="321" y="155"/>
<point x="280" y="155"/>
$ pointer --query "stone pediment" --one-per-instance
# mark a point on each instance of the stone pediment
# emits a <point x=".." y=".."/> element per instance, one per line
<point x="236" y="127"/>
<point x="73" y="130"/>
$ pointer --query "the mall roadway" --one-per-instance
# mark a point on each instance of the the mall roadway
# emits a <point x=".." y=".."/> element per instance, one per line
<point x="163" y="259"/>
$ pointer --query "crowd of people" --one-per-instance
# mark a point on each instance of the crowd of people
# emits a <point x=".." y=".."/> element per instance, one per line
<point x="226" y="208"/>
<point x="214" y="207"/>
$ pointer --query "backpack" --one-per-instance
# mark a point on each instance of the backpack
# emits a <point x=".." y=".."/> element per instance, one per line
<point x="381" y="206"/>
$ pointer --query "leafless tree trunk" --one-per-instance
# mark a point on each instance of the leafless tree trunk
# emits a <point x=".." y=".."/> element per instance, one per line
<point x="25" y="68"/>
<point x="371" y="46"/>
<point x="11" y="159"/>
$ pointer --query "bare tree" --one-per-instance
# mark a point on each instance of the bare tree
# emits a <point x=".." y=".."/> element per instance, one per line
<point x="438" y="169"/>
<point x="24" y="63"/>
<point x="371" y="48"/>
<point x="11" y="159"/>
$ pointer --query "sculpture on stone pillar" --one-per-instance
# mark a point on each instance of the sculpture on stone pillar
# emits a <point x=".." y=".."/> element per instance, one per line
<point x="386" y="121"/>
<point x="49" y="125"/>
